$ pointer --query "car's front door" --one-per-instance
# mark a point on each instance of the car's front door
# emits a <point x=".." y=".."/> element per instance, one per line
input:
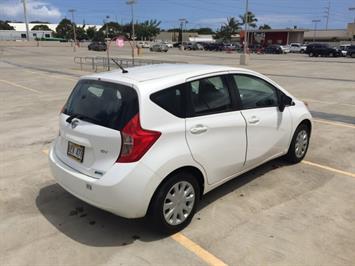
<point x="268" y="129"/>
<point x="215" y="130"/>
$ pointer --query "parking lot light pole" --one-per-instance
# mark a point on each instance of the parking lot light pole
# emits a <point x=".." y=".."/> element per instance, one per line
<point x="244" y="58"/>
<point x="74" y="30"/>
<point x="26" y="20"/>
<point x="131" y="3"/>
<point x="315" y="21"/>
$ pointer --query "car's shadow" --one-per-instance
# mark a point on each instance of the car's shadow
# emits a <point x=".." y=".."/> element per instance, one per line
<point x="94" y="227"/>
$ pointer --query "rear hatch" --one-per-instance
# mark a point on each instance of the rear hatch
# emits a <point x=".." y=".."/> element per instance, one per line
<point x="89" y="138"/>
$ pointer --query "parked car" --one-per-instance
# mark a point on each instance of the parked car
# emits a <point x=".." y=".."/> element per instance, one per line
<point x="344" y="48"/>
<point x="273" y="49"/>
<point x="170" y="45"/>
<point x="197" y="46"/>
<point x="215" y="47"/>
<point x="143" y="44"/>
<point x="297" y="48"/>
<point x="229" y="47"/>
<point x="97" y="46"/>
<point x="152" y="140"/>
<point x="351" y="51"/>
<point x="285" y="49"/>
<point x="320" y="49"/>
<point x="159" y="47"/>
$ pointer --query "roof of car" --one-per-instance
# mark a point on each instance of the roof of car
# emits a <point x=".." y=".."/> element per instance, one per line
<point x="161" y="71"/>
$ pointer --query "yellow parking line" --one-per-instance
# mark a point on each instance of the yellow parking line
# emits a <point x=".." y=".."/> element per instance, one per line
<point x="197" y="250"/>
<point x="333" y="123"/>
<point x="329" y="168"/>
<point x="19" y="86"/>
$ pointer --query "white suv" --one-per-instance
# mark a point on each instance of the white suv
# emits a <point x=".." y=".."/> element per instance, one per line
<point x="153" y="139"/>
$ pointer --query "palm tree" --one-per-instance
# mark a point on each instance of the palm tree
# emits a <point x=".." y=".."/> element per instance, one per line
<point x="233" y="25"/>
<point x="251" y="19"/>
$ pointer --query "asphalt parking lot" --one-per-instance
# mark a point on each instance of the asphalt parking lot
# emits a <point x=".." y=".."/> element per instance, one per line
<point x="277" y="214"/>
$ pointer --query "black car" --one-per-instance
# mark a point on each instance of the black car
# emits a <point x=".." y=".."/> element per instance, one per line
<point x="351" y="51"/>
<point x="273" y="49"/>
<point x="97" y="46"/>
<point x="320" y="49"/>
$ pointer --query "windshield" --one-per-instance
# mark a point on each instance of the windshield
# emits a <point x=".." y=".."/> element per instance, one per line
<point x="103" y="103"/>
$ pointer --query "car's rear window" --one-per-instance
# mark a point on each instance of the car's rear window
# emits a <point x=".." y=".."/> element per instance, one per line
<point x="106" y="104"/>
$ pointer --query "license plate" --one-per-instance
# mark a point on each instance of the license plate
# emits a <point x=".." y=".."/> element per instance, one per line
<point x="76" y="151"/>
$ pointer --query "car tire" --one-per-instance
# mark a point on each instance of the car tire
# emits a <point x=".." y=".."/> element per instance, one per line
<point x="331" y="54"/>
<point x="352" y="55"/>
<point x="311" y="54"/>
<point x="299" y="144"/>
<point x="159" y="209"/>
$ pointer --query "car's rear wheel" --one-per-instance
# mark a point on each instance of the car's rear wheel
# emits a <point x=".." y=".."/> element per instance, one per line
<point x="174" y="204"/>
<point x="299" y="144"/>
<point x="311" y="54"/>
<point x="331" y="54"/>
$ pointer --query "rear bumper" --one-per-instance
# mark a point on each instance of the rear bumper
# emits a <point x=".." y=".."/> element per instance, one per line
<point x="124" y="190"/>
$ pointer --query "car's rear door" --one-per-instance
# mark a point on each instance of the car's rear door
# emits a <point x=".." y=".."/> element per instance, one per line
<point x="268" y="129"/>
<point x="89" y="137"/>
<point x="215" y="130"/>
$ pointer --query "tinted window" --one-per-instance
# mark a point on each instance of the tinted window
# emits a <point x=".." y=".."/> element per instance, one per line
<point x="103" y="103"/>
<point x="209" y="95"/>
<point x="171" y="100"/>
<point x="255" y="92"/>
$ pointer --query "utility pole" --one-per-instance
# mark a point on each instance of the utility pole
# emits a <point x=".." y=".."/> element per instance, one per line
<point x="353" y="35"/>
<point x="182" y="22"/>
<point x="74" y="30"/>
<point x="352" y="9"/>
<point x="105" y="22"/>
<point x="244" y="58"/>
<point x="327" y="14"/>
<point x="131" y="3"/>
<point x="26" y="21"/>
<point x="315" y="21"/>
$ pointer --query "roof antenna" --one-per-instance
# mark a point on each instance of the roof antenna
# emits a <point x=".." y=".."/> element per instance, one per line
<point x="119" y="65"/>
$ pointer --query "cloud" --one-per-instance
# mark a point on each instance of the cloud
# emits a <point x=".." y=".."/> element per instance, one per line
<point x="35" y="9"/>
<point x="211" y="21"/>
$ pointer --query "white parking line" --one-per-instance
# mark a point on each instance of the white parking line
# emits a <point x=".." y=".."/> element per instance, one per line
<point x="19" y="86"/>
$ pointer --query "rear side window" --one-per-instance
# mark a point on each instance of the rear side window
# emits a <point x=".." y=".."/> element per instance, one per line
<point x="171" y="100"/>
<point x="209" y="95"/>
<point x="103" y="103"/>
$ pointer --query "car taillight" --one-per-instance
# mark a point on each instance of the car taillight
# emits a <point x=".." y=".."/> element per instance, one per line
<point x="136" y="141"/>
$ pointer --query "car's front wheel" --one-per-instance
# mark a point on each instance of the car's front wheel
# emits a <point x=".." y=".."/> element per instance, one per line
<point x="174" y="204"/>
<point x="299" y="144"/>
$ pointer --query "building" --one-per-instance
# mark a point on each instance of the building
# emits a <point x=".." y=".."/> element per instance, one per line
<point x="173" y="36"/>
<point x="13" y="35"/>
<point x="274" y="36"/>
<point x="20" y="32"/>
<point x="334" y="35"/>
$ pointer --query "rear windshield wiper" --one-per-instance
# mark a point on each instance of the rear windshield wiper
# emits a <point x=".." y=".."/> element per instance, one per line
<point x="82" y="117"/>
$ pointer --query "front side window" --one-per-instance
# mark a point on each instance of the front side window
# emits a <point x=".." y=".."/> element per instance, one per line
<point x="209" y="95"/>
<point x="255" y="92"/>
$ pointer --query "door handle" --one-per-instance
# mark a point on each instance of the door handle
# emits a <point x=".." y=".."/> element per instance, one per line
<point x="198" y="129"/>
<point x="253" y="120"/>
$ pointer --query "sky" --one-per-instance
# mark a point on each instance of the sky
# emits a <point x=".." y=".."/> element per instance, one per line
<point x="199" y="13"/>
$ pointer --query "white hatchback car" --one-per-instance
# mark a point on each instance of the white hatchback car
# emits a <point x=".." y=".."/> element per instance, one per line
<point x="153" y="140"/>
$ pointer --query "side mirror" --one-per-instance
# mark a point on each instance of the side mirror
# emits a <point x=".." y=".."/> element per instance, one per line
<point x="284" y="101"/>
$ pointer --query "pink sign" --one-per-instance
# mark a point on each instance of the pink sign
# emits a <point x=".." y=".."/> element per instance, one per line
<point x="119" y="42"/>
